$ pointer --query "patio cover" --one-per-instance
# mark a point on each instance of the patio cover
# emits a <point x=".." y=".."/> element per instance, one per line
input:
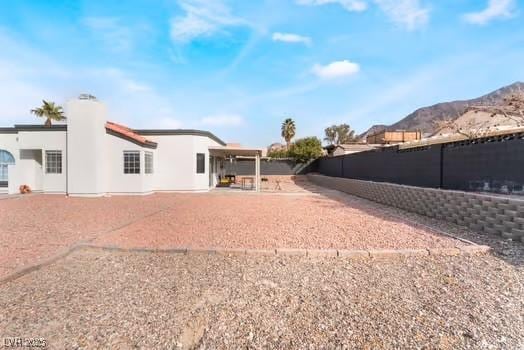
<point x="227" y="151"/>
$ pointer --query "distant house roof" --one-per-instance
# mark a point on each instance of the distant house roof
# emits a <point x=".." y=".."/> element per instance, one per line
<point x="356" y="147"/>
<point x="128" y="134"/>
<point x="276" y="145"/>
<point x="351" y="146"/>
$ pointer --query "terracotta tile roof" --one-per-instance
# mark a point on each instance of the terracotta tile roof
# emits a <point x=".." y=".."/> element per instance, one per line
<point x="127" y="133"/>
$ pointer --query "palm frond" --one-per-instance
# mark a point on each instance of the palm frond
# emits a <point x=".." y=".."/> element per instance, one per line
<point x="50" y="111"/>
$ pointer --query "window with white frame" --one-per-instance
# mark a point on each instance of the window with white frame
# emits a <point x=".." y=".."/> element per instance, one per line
<point x="53" y="162"/>
<point x="148" y="166"/>
<point x="131" y="162"/>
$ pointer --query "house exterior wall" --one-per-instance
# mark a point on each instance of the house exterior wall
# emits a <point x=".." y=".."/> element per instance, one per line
<point x="175" y="162"/>
<point x="42" y="141"/>
<point x="119" y="182"/>
<point x="96" y="169"/>
<point x="9" y="143"/>
<point x="28" y="148"/>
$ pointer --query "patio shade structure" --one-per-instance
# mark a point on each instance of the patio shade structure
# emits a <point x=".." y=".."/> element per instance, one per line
<point x="235" y="151"/>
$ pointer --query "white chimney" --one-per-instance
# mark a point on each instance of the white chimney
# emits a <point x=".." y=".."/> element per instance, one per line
<point x="86" y="145"/>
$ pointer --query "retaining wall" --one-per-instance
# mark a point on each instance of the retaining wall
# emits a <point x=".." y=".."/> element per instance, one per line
<point x="481" y="213"/>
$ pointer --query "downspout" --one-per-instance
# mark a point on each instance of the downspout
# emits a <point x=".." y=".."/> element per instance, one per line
<point x="67" y="163"/>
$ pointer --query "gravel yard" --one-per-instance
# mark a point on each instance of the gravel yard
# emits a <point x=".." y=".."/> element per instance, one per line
<point x="273" y="221"/>
<point x="39" y="226"/>
<point x="98" y="299"/>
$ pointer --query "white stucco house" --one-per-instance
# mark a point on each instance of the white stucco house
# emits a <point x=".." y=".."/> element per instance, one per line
<point x="91" y="156"/>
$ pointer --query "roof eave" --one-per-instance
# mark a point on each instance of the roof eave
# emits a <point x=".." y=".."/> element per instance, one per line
<point x="180" y="132"/>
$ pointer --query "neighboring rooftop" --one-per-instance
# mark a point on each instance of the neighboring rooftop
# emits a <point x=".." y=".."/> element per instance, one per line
<point x="501" y="131"/>
<point x="351" y="146"/>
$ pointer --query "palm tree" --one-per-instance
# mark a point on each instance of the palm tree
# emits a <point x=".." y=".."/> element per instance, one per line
<point x="288" y="131"/>
<point x="50" y="111"/>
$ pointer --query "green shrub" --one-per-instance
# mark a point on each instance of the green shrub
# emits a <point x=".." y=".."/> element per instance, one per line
<point x="305" y="149"/>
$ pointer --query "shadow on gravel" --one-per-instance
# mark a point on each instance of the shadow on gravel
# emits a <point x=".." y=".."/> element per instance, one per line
<point x="508" y="250"/>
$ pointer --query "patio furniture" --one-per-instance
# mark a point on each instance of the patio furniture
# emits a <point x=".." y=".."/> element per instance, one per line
<point x="232" y="178"/>
<point x="248" y="180"/>
<point x="224" y="182"/>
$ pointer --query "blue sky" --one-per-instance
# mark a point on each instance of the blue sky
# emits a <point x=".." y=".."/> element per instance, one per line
<point x="238" y="68"/>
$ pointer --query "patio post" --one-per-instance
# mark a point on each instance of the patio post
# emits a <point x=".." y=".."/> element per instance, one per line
<point x="257" y="172"/>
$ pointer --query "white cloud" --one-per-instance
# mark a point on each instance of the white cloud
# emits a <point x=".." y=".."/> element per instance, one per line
<point x="337" y="69"/>
<point x="110" y="30"/>
<point x="496" y="9"/>
<point x="203" y="18"/>
<point x="409" y="14"/>
<point x="291" y="38"/>
<point x="406" y="13"/>
<point x="223" y="120"/>
<point x="349" y="5"/>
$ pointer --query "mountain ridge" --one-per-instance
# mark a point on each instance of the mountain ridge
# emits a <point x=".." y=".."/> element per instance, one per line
<point x="424" y="118"/>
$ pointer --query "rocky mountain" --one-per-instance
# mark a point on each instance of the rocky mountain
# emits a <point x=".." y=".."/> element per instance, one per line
<point x="423" y="118"/>
<point x="373" y="130"/>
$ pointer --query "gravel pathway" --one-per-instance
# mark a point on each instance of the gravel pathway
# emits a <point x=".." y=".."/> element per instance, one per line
<point x="97" y="299"/>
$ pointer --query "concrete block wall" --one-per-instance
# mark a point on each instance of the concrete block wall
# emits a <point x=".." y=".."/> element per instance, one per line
<point x="481" y="213"/>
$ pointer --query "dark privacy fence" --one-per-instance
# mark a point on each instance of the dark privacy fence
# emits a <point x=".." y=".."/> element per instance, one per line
<point x="267" y="167"/>
<point x="492" y="164"/>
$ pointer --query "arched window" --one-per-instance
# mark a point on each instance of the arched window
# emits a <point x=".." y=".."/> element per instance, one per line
<point x="6" y="158"/>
